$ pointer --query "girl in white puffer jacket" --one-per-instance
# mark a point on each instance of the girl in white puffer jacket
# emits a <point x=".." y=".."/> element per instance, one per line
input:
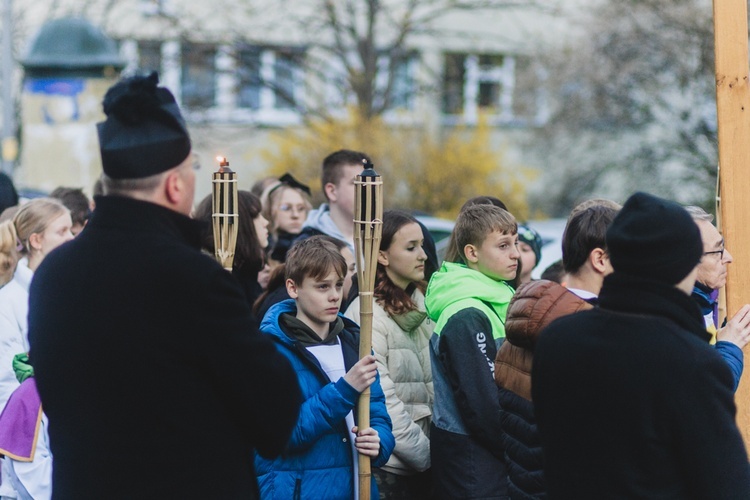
<point x="401" y="332"/>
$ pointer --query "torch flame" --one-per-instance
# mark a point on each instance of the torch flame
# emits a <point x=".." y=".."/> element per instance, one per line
<point x="222" y="162"/>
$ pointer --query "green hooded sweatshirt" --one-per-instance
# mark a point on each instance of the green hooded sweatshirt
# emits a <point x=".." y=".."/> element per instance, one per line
<point x="469" y="310"/>
<point x="455" y="287"/>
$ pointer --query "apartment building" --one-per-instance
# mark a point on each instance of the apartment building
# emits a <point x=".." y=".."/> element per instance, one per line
<point x="242" y="69"/>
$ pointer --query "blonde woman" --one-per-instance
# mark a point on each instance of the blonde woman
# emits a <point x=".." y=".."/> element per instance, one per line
<point x="8" y="255"/>
<point x="38" y="227"/>
<point x="286" y="204"/>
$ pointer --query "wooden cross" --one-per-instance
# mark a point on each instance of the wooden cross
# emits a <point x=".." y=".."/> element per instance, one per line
<point x="733" y="112"/>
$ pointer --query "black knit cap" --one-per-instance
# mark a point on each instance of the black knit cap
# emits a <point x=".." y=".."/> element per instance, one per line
<point x="144" y="133"/>
<point x="654" y="238"/>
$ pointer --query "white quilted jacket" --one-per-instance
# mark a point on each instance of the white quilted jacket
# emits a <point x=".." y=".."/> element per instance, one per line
<point x="401" y="346"/>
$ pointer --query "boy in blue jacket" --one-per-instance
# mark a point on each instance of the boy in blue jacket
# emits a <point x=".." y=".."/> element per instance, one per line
<point x="320" y="460"/>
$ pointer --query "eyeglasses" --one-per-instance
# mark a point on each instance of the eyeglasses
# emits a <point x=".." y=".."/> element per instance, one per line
<point x="286" y="207"/>
<point x="720" y="252"/>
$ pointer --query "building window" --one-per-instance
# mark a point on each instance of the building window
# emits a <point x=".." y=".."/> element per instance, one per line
<point x="149" y="56"/>
<point x="198" y="79"/>
<point x="503" y="86"/>
<point x="269" y="78"/>
<point x="491" y="77"/>
<point x="286" y="79"/>
<point x="454" y="78"/>
<point x="399" y="69"/>
<point x="403" y="84"/>
<point x="249" y="81"/>
<point x="338" y="92"/>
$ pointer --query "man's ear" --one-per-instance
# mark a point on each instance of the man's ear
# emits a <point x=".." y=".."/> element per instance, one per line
<point x="291" y="288"/>
<point x="471" y="254"/>
<point x="330" y="191"/>
<point x="173" y="188"/>
<point x="598" y="258"/>
<point x="382" y="258"/>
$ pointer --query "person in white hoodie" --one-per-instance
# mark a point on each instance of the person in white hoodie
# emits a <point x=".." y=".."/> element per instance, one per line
<point x="39" y="226"/>
<point x="335" y="217"/>
<point x="401" y="334"/>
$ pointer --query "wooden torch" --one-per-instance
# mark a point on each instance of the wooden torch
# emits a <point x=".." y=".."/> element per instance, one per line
<point x="224" y="213"/>
<point x="368" y="229"/>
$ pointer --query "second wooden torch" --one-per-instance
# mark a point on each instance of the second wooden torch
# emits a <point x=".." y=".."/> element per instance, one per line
<point x="224" y="213"/>
<point x="368" y="229"/>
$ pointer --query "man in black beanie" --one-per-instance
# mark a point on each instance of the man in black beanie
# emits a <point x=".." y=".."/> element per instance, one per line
<point x="150" y="367"/>
<point x="630" y="399"/>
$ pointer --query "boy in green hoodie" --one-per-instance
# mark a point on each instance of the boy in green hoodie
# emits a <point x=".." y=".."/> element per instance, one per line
<point x="469" y="301"/>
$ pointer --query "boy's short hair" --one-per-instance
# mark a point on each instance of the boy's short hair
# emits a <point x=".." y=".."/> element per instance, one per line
<point x="476" y="222"/>
<point x="592" y="203"/>
<point x="314" y="257"/>
<point x="333" y="165"/>
<point x="554" y="272"/>
<point x="484" y="200"/>
<point x="74" y="200"/>
<point x="585" y="231"/>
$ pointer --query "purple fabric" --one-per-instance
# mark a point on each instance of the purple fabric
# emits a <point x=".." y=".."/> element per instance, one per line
<point x="19" y="422"/>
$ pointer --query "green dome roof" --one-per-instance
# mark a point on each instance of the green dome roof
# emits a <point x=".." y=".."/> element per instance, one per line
<point x="71" y="43"/>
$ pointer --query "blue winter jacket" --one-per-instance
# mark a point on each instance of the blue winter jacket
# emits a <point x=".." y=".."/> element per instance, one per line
<point x="318" y="462"/>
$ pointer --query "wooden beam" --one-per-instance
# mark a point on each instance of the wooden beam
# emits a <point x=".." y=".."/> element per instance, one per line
<point x="733" y="111"/>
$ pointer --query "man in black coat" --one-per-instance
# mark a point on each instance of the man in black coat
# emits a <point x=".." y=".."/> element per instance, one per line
<point x="630" y="399"/>
<point x="151" y="370"/>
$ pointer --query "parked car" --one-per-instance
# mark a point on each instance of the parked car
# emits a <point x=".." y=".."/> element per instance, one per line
<point x="27" y="194"/>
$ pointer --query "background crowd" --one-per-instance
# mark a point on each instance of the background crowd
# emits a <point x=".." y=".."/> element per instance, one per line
<point x="122" y="342"/>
